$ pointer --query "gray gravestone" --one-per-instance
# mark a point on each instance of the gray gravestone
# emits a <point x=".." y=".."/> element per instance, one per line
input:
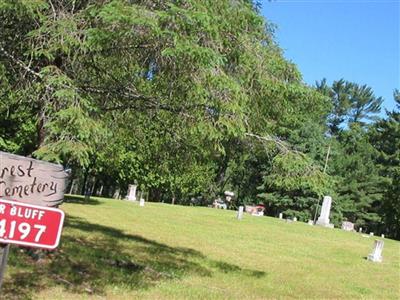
<point x="240" y="213"/>
<point x="348" y="226"/>
<point x="376" y="255"/>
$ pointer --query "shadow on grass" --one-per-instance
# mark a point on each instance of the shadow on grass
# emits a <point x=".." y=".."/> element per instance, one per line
<point x="76" y="199"/>
<point x="92" y="257"/>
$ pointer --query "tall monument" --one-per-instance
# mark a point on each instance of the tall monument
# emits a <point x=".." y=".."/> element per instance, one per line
<point x="323" y="219"/>
<point x="131" y="192"/>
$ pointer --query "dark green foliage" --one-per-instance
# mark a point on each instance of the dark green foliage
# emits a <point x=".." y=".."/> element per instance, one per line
<point x="385" y="137"/>
<point x="359" y="189"/>
<point x="189" y="99"/>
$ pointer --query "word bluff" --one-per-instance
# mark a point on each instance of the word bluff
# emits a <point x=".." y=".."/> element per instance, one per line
<point x="49" y="188"/>
<point x="23" y="212"/>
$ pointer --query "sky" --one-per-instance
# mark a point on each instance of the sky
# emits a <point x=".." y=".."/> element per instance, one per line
<point x="358" y="40"/>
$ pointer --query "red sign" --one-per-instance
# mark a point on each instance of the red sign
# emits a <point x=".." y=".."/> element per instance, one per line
<point x="30" y="225"/>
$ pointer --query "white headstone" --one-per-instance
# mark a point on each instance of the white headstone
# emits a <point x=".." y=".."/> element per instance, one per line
<point x="323" y="219"/>
<point x="348" y="226"/>
<point x="310" y="222"/>
<point x="376" y="255"/>
<point x="360" y="229"/>
<point x="131" y="192"/>
<point x="229" y="195"/>
<point x="371" y="234"/>
<point x="141" y="203"/>
<point x="382" y="236"/>
<point x="240" y="213"/>
<point x="281" y="216"/>
<point x="294" y="219"/>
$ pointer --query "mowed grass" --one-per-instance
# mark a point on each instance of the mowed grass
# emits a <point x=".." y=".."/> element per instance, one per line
<point x="113" y="249"/>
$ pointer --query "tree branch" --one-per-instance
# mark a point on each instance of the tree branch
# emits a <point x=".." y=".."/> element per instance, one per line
<point x="280" y="144"/>
<point x="20" y="63"/>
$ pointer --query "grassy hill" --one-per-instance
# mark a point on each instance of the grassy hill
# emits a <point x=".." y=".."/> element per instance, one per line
<point x="114" y="249"/>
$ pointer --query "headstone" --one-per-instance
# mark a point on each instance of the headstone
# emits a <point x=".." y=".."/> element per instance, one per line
<point x="294" y="219"/>
<point x="280" y="216"/>
<point x="310" y="222"/>
<point x="131" y="192"/>
<point x="382" y="236"/>
<point x="376" y="255"/>
<point x="323" y="219"/>
<point x="360" y="229"/>
<point x="240" y="213"/>
<point x="371" y="234"/>
<point x="141" y="203"/>
<point x="348" y="226"/>
<point x="229" y="195"/>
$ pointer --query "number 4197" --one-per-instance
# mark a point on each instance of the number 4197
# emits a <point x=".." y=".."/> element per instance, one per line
<point x="23" y="228"/>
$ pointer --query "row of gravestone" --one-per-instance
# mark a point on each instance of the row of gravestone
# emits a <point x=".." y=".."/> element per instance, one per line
<point x="323" y="220"/>
<point x="132" y="190"/>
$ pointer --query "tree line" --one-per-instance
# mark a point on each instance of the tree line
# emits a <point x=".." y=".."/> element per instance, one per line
<point x="190" y="98"/>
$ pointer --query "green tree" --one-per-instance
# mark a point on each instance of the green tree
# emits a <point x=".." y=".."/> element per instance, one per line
<point x="351" y="103"/>
<point x="339" y="95"/>
<point x="171" y="94"/>
<point x="359" y="183"/>
<point x="386" y="138"/>
<point x="364" y="104"/>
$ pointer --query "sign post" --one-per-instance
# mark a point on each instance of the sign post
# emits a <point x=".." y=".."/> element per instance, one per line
<point x="28" y="190"/>
<point x="4" y="249"/>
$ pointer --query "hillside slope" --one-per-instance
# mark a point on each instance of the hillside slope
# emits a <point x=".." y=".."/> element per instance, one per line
<point x="114" y="249"/>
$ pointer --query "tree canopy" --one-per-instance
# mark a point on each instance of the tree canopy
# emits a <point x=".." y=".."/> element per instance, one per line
<point x="188" y="99"/>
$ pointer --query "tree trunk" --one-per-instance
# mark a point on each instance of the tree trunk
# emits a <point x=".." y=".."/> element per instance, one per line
<point x="71" y="190"/>
<point x="85" y="180"/>
<point x="100" y="192"/>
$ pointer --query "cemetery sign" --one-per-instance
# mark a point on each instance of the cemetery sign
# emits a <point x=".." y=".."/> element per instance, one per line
<point x="27" y="188"/>
<point x="30" y="225"/>
<point x="31" y="181"/>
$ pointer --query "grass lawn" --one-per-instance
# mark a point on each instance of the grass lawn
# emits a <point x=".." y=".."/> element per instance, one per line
<point x="113" y="249"/>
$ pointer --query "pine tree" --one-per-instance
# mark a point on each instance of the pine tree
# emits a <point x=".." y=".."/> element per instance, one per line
<point x="386" y="138"/>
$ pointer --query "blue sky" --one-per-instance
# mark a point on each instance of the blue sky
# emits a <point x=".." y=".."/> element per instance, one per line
<point x="358" y="40"/>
